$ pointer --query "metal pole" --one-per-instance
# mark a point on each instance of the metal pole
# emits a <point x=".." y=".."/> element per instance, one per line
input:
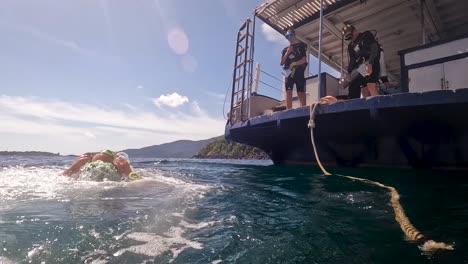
<point x="342" y="56"/>
<point x="423" y="30"/>
<point x="245" y="66"/>
<point x="320" y="50"/>
<point x="252" y="50"/>
<point x="257" y="78"/>
<point x="251" y="61"/>
<point x="234" y="83"/>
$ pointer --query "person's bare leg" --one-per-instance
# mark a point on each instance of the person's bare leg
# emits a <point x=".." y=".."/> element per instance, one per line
<point x="288" y="99"/>
<point x="365" y="92"/>
<point x="75" y="167"/>
<point x="372" y="88"/>
<point x="302" y="98"/>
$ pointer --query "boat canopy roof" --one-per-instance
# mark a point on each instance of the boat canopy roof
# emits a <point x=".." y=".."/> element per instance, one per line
<point x="397" y="22"/>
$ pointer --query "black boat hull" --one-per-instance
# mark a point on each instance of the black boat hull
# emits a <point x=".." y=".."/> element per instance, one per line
<point x="403" y="130"/>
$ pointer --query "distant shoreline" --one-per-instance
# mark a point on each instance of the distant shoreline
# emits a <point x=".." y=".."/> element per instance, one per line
<point x="27" y="153"/>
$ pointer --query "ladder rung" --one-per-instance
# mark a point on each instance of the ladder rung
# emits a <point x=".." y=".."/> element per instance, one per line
<point x="240" y="77"/>
<point x="241" y="38"/>
<point x="244" y="25"/>
<point x="240" y="65"/>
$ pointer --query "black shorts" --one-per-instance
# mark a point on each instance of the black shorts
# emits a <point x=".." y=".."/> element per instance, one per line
<point x="356" y="85"/>
<point x="375" y="75"/>
<point x="298" y="79"/>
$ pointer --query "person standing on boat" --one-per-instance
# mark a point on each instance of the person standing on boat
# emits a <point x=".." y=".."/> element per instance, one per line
<point x="294" y="62"/>
<point x="364" y="56"/>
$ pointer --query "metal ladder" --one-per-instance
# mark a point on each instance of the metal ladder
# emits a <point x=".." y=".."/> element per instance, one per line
<point x="242" y="73"/>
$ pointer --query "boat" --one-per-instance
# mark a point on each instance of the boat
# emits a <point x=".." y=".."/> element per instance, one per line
<point x="423" y="125"/>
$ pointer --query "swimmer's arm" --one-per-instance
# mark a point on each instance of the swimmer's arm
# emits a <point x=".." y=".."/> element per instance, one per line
<point x="122" y="166"/>
<point x="74" y="169"/>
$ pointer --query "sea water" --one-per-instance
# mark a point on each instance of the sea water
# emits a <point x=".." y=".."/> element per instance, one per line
<point x="225" y="211"/>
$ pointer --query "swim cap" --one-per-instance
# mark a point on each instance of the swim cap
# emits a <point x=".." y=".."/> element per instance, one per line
<point x="109" y="152"/>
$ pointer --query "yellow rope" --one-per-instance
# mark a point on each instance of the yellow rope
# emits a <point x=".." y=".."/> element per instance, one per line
<point x="311" y="125"/>
<point x="411" y="233"/>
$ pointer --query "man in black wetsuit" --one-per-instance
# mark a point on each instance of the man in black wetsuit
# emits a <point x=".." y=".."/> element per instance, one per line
<point x="294" y="62"/>
<point x="363" y="49"/>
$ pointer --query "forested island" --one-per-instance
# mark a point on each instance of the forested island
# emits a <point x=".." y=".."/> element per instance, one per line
<point x="222" y="149"/>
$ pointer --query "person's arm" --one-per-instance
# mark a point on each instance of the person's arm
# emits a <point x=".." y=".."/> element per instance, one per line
<point x="374" y="51"/>
<point x="75" y="167"/>
<point x="122" y="166"/>
<point x="285" y="55"/>
<point x="298" y="63"/>
<point x="350" y="59"/>
<point x="125" y="170"/>
<point x="372" y="57"/>
<point x="303" y="54"/>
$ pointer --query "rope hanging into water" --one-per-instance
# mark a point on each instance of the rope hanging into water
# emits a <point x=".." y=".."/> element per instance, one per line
<point x="411" y="233"/>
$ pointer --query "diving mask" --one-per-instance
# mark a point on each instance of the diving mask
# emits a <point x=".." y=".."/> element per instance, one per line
<point x="290" y="36"/>
<point x="348" y="36"/>
<point x="348" y="32"/>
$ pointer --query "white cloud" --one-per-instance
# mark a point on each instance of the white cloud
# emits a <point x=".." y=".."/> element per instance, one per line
<point x="273" y="36"/>
<point x="171" y="100"/>
<point x="139" y="87"/>
<point x="196" y="109"/>
<point x="66" y="127"/>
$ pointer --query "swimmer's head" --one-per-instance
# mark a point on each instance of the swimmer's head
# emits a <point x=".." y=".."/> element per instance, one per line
<point x="123" y="155"/>
<point x="103" y="156"/>
<point x="109" y="152"/>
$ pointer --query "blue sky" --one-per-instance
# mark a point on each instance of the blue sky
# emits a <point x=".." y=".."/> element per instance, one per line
<point x="87" y="75"/>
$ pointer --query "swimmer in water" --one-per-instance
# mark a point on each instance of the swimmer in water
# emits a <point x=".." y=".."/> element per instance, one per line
<point x="111" y="165"/>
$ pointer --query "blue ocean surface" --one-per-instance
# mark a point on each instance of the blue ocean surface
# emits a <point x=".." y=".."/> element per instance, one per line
<point x="225" y="211"/>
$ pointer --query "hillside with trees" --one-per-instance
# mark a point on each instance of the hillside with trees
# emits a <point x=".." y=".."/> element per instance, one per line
<point x="222" y="149"/>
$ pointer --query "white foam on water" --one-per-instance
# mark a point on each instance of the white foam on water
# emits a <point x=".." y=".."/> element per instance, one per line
<point x="30" y="183"/>
<point x="160" y="177"/>
<point x="156" y="245"/>
<point x="19" y="183"/>
<point x="199" y="225"/>
<point x="96" y="257"/>
<point x="4" y="260"/>
<point x="177" y="214"/>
